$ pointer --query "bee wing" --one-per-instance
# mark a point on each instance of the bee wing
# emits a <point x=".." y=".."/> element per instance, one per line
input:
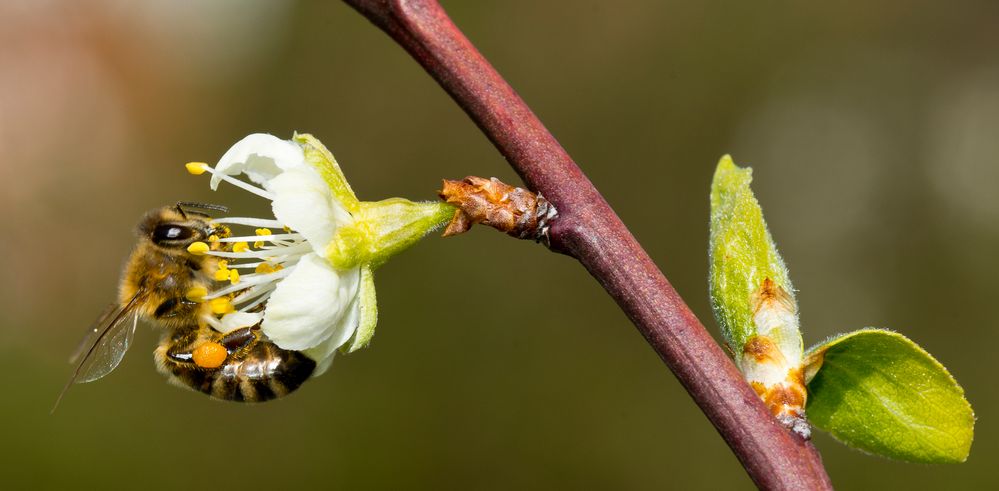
<point x="92" y="332"/>
<point x="108" y="350"/>
<point x="105" y="345"/>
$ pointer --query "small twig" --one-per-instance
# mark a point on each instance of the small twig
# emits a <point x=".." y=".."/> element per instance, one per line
<point x="589" y="230"/>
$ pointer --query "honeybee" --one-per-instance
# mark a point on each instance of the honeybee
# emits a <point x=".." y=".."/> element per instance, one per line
<point x="156" y="285"/>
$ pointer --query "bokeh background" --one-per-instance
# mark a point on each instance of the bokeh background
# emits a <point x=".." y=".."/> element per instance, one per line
<point x="872" y="129"/>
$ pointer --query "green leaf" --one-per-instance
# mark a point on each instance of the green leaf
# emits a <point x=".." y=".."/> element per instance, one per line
<point x="877" y="391"/>
<point x="741" y="254"/>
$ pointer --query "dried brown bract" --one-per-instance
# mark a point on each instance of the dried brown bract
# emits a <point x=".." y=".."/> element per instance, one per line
<point x="515" y="211"/>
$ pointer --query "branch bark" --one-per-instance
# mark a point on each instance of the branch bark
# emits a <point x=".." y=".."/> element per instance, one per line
<point x="588" y="229"/>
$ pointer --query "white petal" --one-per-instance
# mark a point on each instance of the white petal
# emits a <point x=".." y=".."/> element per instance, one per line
<point x="236" y="320"/>
<point x="303" y="201"/>
<point x="323" y="354"/>
<point x="261" y="157"/>
<point x="307" y="306"/>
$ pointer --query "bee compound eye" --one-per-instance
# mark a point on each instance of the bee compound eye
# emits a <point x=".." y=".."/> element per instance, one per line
<point x="171" y="232"/>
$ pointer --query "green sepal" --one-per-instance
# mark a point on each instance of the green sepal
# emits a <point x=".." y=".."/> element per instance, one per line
<point x="877" y="391"/>
<point x="741" y="253"/>
<point x="319" y="157"/>
<point x="369" y="311"/>
<point x="385" y="228"/>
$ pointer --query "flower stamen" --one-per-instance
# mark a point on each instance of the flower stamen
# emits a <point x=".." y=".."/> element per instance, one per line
<point x="196" y="168"/>
<point x="202" y="168"/>
<point x="275" y="253"/>
<point x="198" y="248"/>
<point x="221" y="305"/>
<point x="266" y="267"/>
<point x="251" y="222"/>
<point x="250" y="280"/>
<point x="196" y="294"/>
<point x="212" y="321"/>
<point x="259" y="292"/>
<point x="263" y="238"/>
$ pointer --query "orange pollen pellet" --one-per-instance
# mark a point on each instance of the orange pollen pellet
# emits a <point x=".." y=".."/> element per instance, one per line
<point x="210" y="355"/>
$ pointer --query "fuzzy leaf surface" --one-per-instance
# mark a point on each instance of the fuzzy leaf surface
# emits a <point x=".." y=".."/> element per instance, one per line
<point x="741" y="253"/>
<point x="879" y="392"/>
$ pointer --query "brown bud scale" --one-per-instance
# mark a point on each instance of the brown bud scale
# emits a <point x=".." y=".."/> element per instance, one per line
<point x="515" y="211"/>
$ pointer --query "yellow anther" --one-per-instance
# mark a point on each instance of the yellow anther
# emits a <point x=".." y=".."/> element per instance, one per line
<point x="240" y="247"/>
<point x="261" y="231"/>
<point x="213" y="238"/>
<point x="196" y="294"/>
<point x="222" y="264"/>
<point x="198" y="248"/>
<point x="221" y="305"/>
<point x="222" y="274"/>
<point x="233" y="276"/>
<point x="264" y="268"/>
<point x="196" y="168"/>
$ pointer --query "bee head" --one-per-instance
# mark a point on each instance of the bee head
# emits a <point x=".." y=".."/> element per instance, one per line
<point x="169" y="229"/>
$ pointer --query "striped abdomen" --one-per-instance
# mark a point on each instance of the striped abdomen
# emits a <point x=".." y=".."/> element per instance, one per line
<point x="265" y="372"/>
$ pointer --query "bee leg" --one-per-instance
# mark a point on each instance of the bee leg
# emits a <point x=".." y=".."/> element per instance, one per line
<point x="238" y="342"/>
<point x="175" y="358"/>
<point x="173" y="307"/>
<point x="214" y="353"/>
<point x="180" y="348"/>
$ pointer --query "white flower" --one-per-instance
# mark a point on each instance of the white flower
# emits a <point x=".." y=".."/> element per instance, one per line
<point x="311" y="287"/>
<point x="310" y="305"/>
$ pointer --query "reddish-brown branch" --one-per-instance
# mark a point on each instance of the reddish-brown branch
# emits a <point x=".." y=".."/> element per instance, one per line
<point x="589" y="230"/>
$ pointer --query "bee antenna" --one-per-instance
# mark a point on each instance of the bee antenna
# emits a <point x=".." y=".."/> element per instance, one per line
<point x="199" y="206"/>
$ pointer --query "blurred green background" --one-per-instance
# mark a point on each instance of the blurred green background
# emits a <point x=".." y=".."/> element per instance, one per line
<point x="871" y="127"/>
